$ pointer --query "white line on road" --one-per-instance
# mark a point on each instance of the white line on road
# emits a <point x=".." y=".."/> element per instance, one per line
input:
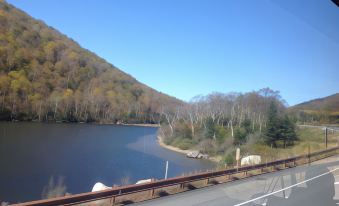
<point x="275" y="192"/>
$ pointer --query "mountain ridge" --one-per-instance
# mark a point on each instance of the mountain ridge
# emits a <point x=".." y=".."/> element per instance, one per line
<point x="329" y="103"/>
<point x="45" y="75"/>
<point x="321" y="110"/>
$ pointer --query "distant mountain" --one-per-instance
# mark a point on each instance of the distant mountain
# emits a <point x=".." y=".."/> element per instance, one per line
<point x="323" y="109"/>
<point x="45" y="75"/>
<point x="328" y="104"/>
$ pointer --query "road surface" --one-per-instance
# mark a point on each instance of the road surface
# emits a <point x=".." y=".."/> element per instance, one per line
<point x="316" y="184"/>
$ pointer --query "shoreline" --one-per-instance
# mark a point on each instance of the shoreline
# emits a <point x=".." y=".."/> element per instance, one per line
<point x="141" y="125"/>
<point x="96" y="123"/>
<point x="160" y="141"/>
<point x="170" y="147"/>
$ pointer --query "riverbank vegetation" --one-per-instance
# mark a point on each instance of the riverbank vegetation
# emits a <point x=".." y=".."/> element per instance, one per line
<point x="257" y="122"/>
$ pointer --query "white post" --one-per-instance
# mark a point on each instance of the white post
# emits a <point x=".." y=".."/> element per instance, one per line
<point x="166" y="170"/>
<point x="237" y="156"/>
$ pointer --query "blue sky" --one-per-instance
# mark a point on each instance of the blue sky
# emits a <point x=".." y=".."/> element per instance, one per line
<point x="189" y="47"/>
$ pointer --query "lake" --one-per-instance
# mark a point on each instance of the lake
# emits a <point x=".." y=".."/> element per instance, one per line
<point x="79" y="155"/>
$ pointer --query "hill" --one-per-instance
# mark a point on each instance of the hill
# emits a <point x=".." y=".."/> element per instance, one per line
<point x="45" y="75"/>
<point x="325" y="110"/>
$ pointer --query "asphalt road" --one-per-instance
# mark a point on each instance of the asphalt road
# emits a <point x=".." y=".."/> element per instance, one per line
<point x="316" y="184"/>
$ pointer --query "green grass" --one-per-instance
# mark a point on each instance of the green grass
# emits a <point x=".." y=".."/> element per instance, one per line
<point x="312" y="138"/>
<point x="311" y="135"/>
<point x="183" y="143"/>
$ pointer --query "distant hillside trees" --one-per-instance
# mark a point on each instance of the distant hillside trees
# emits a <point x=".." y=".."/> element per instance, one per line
<point x="318" y="111"/>
<point x="46" y="76"/>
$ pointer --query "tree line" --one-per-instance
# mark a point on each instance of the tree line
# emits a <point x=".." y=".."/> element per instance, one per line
<point x="214" y="122"/>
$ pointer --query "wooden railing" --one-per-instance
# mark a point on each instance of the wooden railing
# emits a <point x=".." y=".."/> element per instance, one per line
<point x="111" y="194"/>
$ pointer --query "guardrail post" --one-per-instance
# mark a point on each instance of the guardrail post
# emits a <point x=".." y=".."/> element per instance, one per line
<point x="152" y="193"/>
<point x="308" y="154"/>
<point x="326" y="138"/>
<point x="206" y="181"/>
<point x="181" y="185"/>
<point x="112" y="201"/>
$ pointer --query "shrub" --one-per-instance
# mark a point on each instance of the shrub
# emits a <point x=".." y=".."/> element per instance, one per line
<point x="229" y="159"/>
<point x="239" y="136"/>
<point x="183" y="143"/>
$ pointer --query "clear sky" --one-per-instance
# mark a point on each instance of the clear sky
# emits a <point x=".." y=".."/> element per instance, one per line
<point x="190" y="47"/>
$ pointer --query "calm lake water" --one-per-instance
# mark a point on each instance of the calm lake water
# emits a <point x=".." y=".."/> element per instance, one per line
<point x="81" y="154"/>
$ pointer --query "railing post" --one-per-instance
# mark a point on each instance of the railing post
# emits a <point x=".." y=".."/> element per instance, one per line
<point x="206" y="181"/>
<point x="112" y="201"/>
<point x="308" y="154"/>
<point x="325" y="137"/>
<point x="152" y="193"/>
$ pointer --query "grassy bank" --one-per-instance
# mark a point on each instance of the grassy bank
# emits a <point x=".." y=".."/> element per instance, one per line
<point x="309" y="139"/>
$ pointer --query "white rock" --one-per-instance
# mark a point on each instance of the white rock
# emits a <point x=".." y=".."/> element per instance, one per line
<point x="99" y="186"/>
<point x="250" y="160"/>
<point x="143" y="181"/>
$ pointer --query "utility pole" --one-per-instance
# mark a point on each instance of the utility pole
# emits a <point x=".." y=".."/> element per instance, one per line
<point x="166" y="170"/>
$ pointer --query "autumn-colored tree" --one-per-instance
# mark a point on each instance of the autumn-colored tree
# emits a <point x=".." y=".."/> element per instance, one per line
<point x="44" y="75"/>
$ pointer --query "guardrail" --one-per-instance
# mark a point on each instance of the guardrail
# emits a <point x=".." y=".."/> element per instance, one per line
<point x="111" y="194"/>
<point x="328" y="127"/>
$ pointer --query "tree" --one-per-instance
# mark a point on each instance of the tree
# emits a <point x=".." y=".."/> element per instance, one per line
<point x="279" y="128"/>
<point x="271" y="134"/>
<point x="209" y="129"/>
<point x="287" y="131"/>
<point x="239" y="136"/>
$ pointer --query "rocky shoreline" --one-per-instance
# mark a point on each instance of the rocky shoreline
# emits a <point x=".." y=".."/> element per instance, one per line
<point x="215" y="159"/>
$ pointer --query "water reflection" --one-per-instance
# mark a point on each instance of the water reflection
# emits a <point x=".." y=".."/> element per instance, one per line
<point x="55" y="188"/>
<point x="30" y="153"/>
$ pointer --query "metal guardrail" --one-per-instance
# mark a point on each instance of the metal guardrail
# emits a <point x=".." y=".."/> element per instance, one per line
<point x="329" y="127"/>
<point x="111" y="194"/>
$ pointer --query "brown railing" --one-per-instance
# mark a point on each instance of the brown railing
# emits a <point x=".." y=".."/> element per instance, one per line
<point x="111" y="194"/>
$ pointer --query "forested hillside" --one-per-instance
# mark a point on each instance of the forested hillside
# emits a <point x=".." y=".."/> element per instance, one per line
<point x="322" y="110"/>
<point x="46" y="76"/>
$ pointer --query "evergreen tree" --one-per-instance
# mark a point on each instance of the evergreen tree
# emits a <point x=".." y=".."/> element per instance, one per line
<point x="271" y="133"/>
<point x="209" y="129"/>
<point x="288" y="134"/>
<point x="279" y="129"/>
<point x="239" y="136"/>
